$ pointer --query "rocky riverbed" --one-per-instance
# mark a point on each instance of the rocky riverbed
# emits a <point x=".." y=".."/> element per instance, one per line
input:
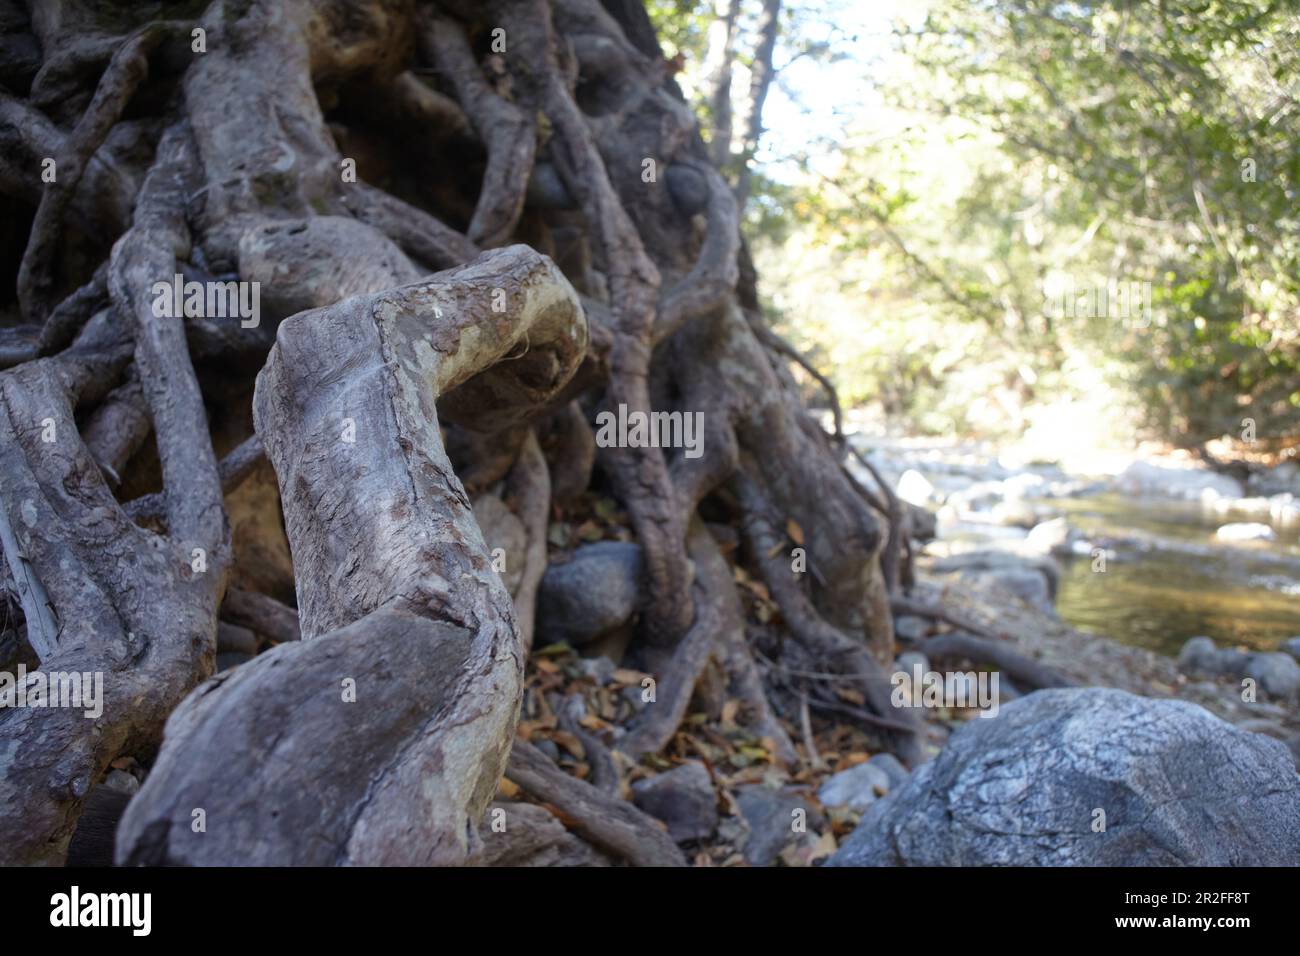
<point x="1106" y="578"/>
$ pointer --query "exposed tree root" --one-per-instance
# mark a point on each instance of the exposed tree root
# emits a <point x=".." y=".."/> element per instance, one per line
<point x="610" y="824"/>
<point x="364" y="357"/>
<point x="260" y="613"/>
<point x="380" y="571"/>
<point x="139" y="609"/>
<point x="1025" y="672"/>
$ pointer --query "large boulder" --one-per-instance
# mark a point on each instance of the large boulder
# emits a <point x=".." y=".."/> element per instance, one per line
<point x="590" y="595"/>
<point x="1177" y="786"/>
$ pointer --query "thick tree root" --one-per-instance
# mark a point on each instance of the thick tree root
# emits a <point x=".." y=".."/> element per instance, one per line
<point x="612" y="825"/>
<point x="380" y="735"/>
<point x="134" y="608"/>
<point x="397" y="597"/>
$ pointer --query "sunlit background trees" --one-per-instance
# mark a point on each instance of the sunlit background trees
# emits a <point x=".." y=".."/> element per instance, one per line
<point x="926" y="180"/>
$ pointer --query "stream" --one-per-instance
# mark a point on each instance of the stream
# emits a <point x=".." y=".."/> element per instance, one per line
<point x="1170" y="579"/>
<point x="1167" y="576"/>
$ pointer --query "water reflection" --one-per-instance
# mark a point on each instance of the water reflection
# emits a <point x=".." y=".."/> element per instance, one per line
<point x="1170" y="579"/>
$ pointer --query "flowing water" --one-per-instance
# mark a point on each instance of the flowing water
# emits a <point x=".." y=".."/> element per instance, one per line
<point x="1167" y="577"/>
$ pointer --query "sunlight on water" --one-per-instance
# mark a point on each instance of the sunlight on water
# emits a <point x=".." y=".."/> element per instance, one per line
<point x="1178" y="582"/>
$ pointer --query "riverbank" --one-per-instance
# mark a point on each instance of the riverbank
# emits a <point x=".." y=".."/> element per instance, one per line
<point x="1104" y="576"/>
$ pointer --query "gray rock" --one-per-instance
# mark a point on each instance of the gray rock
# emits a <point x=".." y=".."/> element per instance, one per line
<point x="894" y="770"/>
<point x="1015" y="512"/>
<point x="683" y="798"/>
<point x="921" y="521"/>
<point x="1004" y="569"/>
<point x="1198" y="656"/>
<point x="1277" y="674"/>
<point x="770" y="816"/>
<point x="1292" y="646"/>
<point x="531" y="836"/>
<point x="122" y="782"/>
<point x="600" y="669"/>
<point x="1048" y="537"/>
<point x="1027" y="584"/>
<point x="856" y="788"/>
<point x="1178" y="787"/>
<point x="590" y="595"/>
<point x="1143" y="478"/>
<point x="910" y="628"/>
<point x="907" y="662"/>
<point x="1246" y="531"/>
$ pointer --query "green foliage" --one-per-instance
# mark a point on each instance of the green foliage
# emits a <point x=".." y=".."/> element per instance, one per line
<point x="682" y="26"/>
<point x="1021" y="144"/>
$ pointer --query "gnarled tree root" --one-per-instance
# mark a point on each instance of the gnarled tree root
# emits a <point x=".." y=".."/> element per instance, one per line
<point x="410" y="652"/>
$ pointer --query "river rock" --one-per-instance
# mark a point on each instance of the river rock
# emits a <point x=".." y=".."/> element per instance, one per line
<point x="122" y="782"/>
<point x="1006" y="569"/>
<point x="1048" y="537"/>
<point x="231" y="638"/>
<point x="921" y="522"/>
<point x="231" y="659"/>
<point x="1027" y="584"/>
<point x="914" y="488"/>
<point x="599" y="668"/>
<point x="1277" y="674"/>
<point x="1179" y="787"/>
<point x="683" y="798"/>
<point x="532" y="836"/>
<point x="856" y="788"/>
<point x="908" y="661"/>
<point x="1284" y="509"/>
<point x="1280" y="480"/>
<point x="1144" y="478"/>
<point x="910" y="628"/>
<point x="1245" y="531"/>
<point x="894" y="770"/>
<point x="1199" y="655"/>
<point x="1015" y="512"/>
<point x="770" y="815"/>
<point x="590" y="595"/>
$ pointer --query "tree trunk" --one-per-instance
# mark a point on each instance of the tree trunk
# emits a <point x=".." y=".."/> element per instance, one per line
<point x="339" y="153"/>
